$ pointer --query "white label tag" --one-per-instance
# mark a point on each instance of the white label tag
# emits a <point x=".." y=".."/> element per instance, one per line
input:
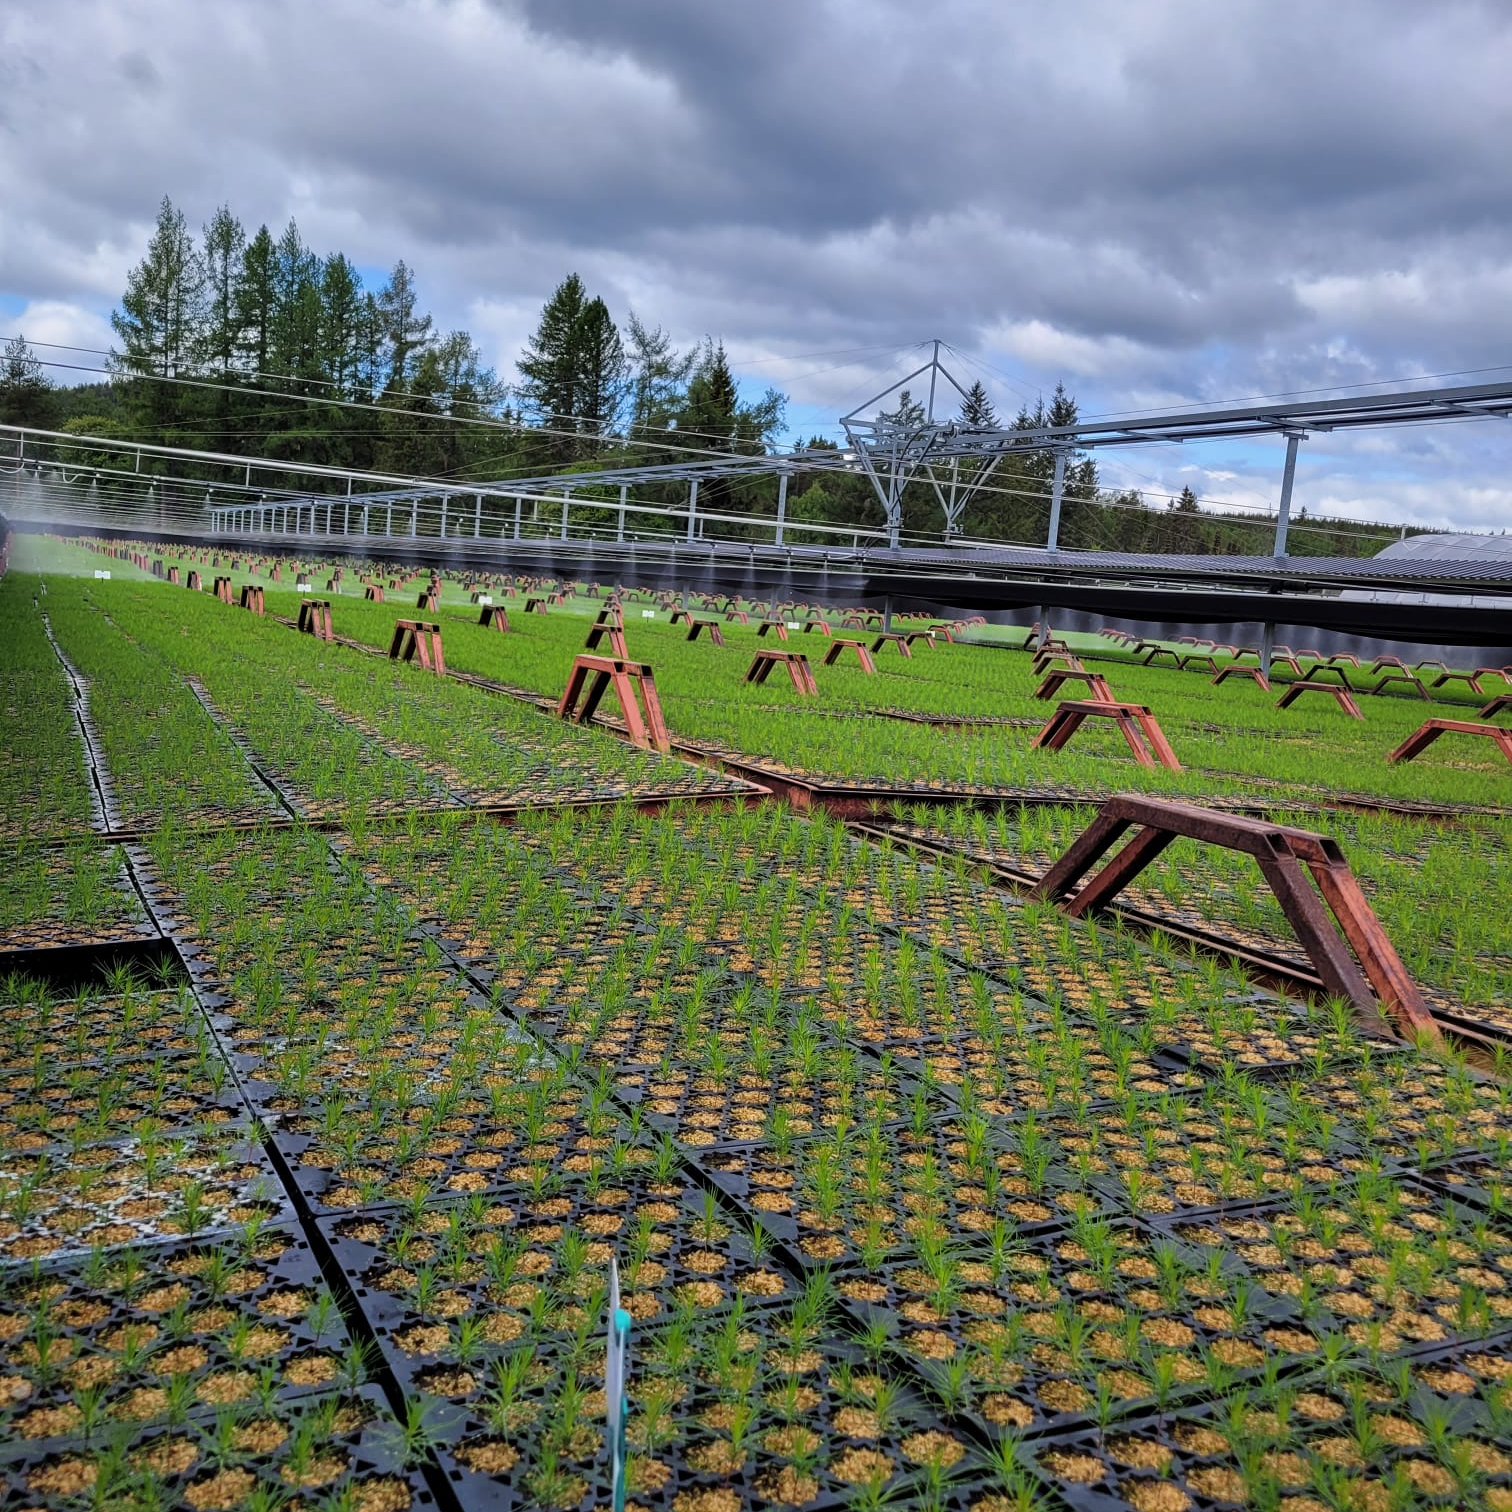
<point x="485" y="598"/>
<point x="101" y="573"/>
<point x="648" y="614"/>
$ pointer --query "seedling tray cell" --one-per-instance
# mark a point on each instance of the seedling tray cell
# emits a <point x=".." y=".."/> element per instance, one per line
<point x="139" y="1335"/>
<point x="56" y="1203"/>
<point x="1426" y="1437"/>
<point x="753" y="1409"/>
<point x="342" y="1447"/>
<point x="449" y="1284"/>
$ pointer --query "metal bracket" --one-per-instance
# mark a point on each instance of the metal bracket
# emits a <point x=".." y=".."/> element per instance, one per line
<point x="1282" y="853"/>
<point x="1135" y="721"/>
<point x="634" y="686"/>
<point x="1430" y="730"/>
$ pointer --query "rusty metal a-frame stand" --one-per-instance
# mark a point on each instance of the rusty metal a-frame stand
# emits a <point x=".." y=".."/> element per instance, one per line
<point x="594" y="676"/>
<point x="315" y="619"/>
<point x="1135" y="721"/>
<point x="1281" y="853"/>
<point x="1430" y="730"/>
<point x="418" y="640"/>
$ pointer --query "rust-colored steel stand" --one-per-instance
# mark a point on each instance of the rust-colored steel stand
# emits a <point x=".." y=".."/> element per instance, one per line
<point x="1135" y="721"/>
<point x="196" y="582"/>
<point x="374" y="593"/>
<point x="1430" y="730"/>
<point x="1281" y="853"/>
<point x="592" y="676"/>
<point x="607" y="627"/>
<point x="1471" y="678"/>
<point x="1234" y="670"/>
<point x="1500" y="703"/>
<point x="1391" y="674"/>
<point x="712" y="626"/>
<point x="1097" y="684"/>
<point x="416" y="640"/>
<point x="494" y="616"/>
<point x="892" y="638"/>
<point x="797" y="665"/>
<point x="252" y="597"/>
<point x="315" y="619"/>
<point x="1046" y="660"/>
<point x="1202" y="660"/>
<point x="778" y="625"/>
<point x="223" y="590"/>
<point x="535" y="606"/>
<point x="1307" y="685"/>
<point x="822" y="626"/>
<point x="838" y="647"/>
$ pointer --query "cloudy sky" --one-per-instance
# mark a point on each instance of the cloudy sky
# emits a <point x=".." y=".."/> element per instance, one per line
<point x="1156" y="201"/>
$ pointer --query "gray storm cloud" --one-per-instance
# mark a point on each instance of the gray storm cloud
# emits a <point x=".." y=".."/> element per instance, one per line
<point x="1158" y="198"/>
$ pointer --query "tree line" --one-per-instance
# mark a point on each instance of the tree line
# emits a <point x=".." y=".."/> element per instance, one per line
<point x="257" y="345"/>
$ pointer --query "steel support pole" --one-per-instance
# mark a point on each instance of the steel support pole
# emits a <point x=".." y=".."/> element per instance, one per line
<point x="1267" y="647"/>
<point x="887" y="615"/>
<point x="1283" y="511"/>
<point x="619" y="529"/>
<point x="1052" y="539"/>
<point x="692" y="506"/>
<point x="388" y="529"/>
<point x="477" y="516"/>
<point x="519" y="506"/>
<point x="782" y="483"/>
<point x="566" y="505"/>
<point x="346" y="518"/>
<point x="444" y="498"/>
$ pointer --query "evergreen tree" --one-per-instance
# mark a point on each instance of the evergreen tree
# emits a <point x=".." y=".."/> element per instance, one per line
<point x="26" y="395"/>
<point x="341" y="313"/>
<point x="908" y="414"/>
<point x="295" y="334"/>
<point x="550" y="365"/>
<point x="1187" y="502"/>
<point x="602" y="370"/>
<point x="225" y="246"/>
<point x="709" y="415"/>
<point x="977" y="410"/>
<point x="658" y="380"/>
<point x="159" y="321"/>
<point x="405" y="330"/>
<point x="256" y="303"/>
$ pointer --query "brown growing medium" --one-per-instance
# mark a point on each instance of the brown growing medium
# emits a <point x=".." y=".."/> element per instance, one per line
<point x="860" y="1467"/>
<point x="221" y="1492"/>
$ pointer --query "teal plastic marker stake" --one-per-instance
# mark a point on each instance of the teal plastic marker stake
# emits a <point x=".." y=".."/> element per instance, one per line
<point x="616" y="1371"/>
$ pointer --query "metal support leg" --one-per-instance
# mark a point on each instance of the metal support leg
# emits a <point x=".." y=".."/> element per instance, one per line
<point x="692" y="506"/>
<point x="1283" y="510"/>
<point x="619" y="529"/>
<point x="1052" y="539"/>
<point x="566" y="505"/>
<point x="443" y="516"/>
<point x="782" y="485"/>
<point x="477" y="516"/>
<point x="887" y="615"/>
<point x="519" y="505"/>
<point x="1267" y="648"/>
